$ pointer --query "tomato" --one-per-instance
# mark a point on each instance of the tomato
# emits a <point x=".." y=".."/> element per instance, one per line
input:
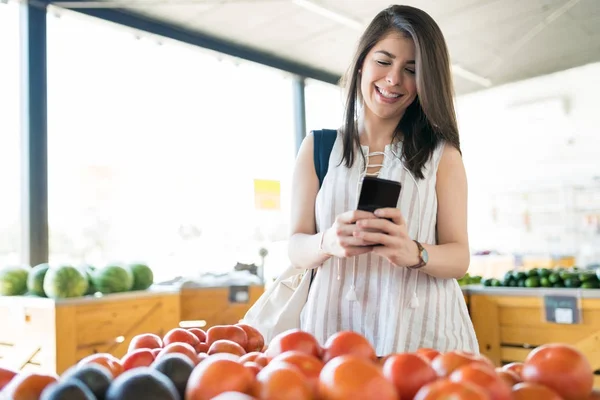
<point x="226" y="346"/>
<point x="515" y="367"/>
<point x="509" y="377"/>
<point x="485" y="378"/>
<point x="155" y="352"/>
<point x="27" y="386"/>
<point x="346" y="343"/>
<point x="215" y="376"/>
<point x="112" y="363"/>
<point x="145" y="341"/>
<point x="443" y="389"/>
<point x="182" y="348"/>
<point x="6" y="376"/>
<point x="256" y="341"/>
<point x="408" y="372"/>
<point x="429" y="354"/>
<point x="255" y="356"/>
<point x="199" y="333"/>
<point x="309" y="366"/>
<point x="562" y="368"/>
<point x="253" y="367"/>
<point x="281" y="381"/>
<point x="229" y="332"/>
<point x="137" y="358"/>
<point x="446" y="363"/>
<point x="202" y="348"/>
<point x="595" y="395"/>
<point x="180" y="335"/>
<point x="352" y="377"/>
<point x="533" y="391"/>
<point x="293" y="339"/>
<point x="233" y="396"/>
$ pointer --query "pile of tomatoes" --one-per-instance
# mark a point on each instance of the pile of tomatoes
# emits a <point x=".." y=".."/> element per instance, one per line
<point x="232" y="362"/>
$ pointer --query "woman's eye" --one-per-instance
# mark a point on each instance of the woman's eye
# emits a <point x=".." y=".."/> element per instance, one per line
<point x="410" y="71"/>
<point x="380" y="62"/>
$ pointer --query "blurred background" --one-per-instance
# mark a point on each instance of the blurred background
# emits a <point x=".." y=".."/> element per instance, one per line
<point x="173" y="125"/>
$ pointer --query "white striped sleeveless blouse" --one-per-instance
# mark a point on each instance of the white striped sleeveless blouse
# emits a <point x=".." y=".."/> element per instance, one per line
<point x="385" y="310"/>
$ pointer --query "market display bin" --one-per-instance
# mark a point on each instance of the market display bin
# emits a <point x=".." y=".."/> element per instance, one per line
<point x="52" y="335"/>
<point x="510" y="322"/>
<point x="209" y="306"/>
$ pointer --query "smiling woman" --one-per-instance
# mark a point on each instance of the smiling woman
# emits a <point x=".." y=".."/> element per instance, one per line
<point x="389" y="274"/>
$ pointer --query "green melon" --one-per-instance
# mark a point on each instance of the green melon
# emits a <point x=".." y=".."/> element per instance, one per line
<point x="143" y="277"/>
<point x="88" y="271"/>
<point x="13" y="281"/>
<point x="35" y="280"/>
<point x="112" y="279"/>
<point x="65" y="281"/>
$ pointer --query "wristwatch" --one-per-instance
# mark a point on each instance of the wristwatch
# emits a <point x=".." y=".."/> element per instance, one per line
<point x="423" y="257"/>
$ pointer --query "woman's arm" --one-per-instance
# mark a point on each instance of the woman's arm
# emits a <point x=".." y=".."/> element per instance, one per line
<point x="450" y="258"/>
<point x="304" y="245"/>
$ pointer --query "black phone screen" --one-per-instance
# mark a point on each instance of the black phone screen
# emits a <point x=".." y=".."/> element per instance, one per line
<point x="378" y="193"/>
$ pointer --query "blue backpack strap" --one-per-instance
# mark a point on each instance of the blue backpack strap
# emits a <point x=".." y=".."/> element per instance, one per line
<point x="324" y="140"/>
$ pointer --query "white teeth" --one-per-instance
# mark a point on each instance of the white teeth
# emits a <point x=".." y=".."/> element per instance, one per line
<point x="387" y="94"/>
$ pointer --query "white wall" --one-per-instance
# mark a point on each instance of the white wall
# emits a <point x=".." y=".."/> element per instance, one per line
<point x="525" y="146"/>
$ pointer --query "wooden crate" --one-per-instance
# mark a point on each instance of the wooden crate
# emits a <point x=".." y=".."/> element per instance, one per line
<point x="510" y="322"/>
<point x="209" y="306"/>
<point x="49" y="335"/>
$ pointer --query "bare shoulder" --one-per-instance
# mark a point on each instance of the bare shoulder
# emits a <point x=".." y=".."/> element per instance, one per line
<point x="451" y="164"/>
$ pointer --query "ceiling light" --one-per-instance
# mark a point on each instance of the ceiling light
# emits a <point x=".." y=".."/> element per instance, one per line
<point x="332" y="15"/>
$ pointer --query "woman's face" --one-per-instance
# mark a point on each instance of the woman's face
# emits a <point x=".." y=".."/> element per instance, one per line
<point x="388" y="85"/>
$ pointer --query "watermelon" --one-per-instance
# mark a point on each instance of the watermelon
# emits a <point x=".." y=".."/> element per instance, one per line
<point x="88" y="271"/>
<point x="65" y="281"/>
<point x="112" y="279"/>
<point x="35" y="280"/>
<point x="142" y="276"/>
<point x="13" y="281"/>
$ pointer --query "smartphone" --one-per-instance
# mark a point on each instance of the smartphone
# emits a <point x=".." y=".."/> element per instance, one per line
<point x="378" y="193"/>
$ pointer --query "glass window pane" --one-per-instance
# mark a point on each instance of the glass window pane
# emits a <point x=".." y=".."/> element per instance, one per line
<point x="10" y="152"/>
<point x="153" y="149"/>
<point x="324" y="105"/>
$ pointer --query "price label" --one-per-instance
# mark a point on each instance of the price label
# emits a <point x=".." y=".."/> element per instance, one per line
<point x="562" y="309"/>
<point x="239" y="294"/>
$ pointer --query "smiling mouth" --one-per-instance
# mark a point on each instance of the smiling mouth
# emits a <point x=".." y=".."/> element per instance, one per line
<point x="386" y="94"/>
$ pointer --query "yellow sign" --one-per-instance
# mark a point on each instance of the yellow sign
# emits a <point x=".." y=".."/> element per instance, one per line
<point x="267" y="194"/>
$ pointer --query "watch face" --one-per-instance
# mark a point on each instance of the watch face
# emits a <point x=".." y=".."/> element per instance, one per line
<point x="425" y="256"/>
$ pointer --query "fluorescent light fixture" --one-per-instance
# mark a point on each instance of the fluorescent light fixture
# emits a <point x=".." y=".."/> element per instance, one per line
<point x="470" y="76"/>
<point x="327" y="13"/>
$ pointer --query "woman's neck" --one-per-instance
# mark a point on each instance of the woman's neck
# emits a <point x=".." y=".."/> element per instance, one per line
<point x="376" y="132"/>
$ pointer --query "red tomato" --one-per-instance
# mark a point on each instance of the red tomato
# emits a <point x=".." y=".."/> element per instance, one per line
<point x="6" y="376"/>
<point x="595" y="395"/>
<point x="309" y="366"/>
<point x="253" y="367"/>
<point x="352" y="377"/>
<point x="346" y="343"/>
<point x="145" y="341"/>
<point x="256" y="341"/>
<point x="533" y="391"/>
<point x="446" y="363"/>
<point x="228" y="332"/>
<point x="226" y="346"/>
<point x="182" y="348"/>
<point x="408" y="372"/>
<point x="137" y="358"/>
<point x="27" y="386"/>
<point x="445" y="389"/>
<point x="293" y="339"/>
<point x="211" y="378"/>
<point x="112" y="363"/>
<point x="429" y="354"/>
<point x="485" y="378"/>
<point x="180" y="335"/>
<point x="199" y="333"/>
<point x="562" y="368"/>
<point x="281" y="381"/>
<point x="256" y="357"/>
<point x="509" y="377"/>
<point x="515" y="367"/>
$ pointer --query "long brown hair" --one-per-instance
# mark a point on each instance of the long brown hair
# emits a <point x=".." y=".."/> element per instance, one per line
<point x="431" y="117"/>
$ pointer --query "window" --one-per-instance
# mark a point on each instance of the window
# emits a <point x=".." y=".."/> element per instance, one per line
<point x="154" y="147"/>
<point x="10" y="149"/>
<point x="324" y="106"/>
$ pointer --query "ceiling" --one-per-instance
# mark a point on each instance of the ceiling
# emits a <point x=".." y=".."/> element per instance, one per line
<point x="491" y="42"/>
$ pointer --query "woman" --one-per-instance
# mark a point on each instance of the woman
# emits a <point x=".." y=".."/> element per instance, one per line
<point x="400" y="124"/>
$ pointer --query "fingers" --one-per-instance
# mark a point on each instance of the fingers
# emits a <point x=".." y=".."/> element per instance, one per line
<point x="351" y="217"/>
<point x="375" y="237"/>
<point x="391" y="213"/>
<point x="377" y="225"/>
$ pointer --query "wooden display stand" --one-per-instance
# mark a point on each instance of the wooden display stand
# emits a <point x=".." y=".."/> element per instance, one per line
<point x="208" y="306"/>
<point x="44" y="334"/>
<point x="511" y="322"/>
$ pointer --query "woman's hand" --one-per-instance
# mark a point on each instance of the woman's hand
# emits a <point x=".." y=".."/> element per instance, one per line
<point x="391" y="237"/>
<point x="341" y="241"/>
